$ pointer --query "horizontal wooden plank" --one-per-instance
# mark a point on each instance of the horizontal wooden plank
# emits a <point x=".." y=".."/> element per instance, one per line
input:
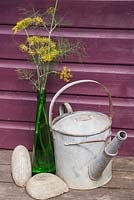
<point x="10" y="191"/>
<point x="16" y="133"/>
<point x="119" y="79"/>
<point x="18" y="106"/>
<point x="118" y="164"/>
<point x="5" y="157"/>
<point x="97" y="46"/>
<point x="101" y="14"/>
<point x="121" y="180"/>
<point x="22" y="133"/>
<point x="5" y="177"/>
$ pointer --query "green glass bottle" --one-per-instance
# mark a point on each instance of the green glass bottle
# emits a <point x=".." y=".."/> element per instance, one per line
<point x="43" y="155"/>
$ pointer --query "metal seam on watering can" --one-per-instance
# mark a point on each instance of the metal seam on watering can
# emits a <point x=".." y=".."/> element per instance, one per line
<point x="91" y="141"/>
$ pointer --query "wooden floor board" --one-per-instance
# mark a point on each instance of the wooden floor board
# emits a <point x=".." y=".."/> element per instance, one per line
<point x="121" y="186"/>
<point x="123" y="164"/>
<point x="9" y="191"/>
<point x="5" y="157"/>
<point x="5" y="173"/>
<point x="121" y="180"/>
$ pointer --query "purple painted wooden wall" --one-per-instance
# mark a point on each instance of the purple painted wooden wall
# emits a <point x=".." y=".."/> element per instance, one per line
<point x="106" y="32"/>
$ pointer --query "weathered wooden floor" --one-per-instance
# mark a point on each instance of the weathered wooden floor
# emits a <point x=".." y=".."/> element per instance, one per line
<point x="121" y="187"/>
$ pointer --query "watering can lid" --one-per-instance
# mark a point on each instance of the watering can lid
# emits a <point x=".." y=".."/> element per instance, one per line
<point x="82" y="123"/>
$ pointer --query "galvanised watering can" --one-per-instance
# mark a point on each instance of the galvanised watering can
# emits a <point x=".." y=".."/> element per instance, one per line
<point x="82" y="143"/>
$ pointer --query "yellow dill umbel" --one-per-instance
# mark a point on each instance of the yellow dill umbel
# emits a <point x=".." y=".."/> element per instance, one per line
<point x="26" y="22"/>
<point x="65" y="74"/>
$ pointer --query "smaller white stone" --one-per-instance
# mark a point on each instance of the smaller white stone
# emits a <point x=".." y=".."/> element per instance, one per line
<point x="21" y="165"/>
<point x="45" y="185"/>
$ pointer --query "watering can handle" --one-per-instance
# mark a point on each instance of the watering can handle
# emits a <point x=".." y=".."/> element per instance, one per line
<point x="75" y="83"/>
<point x="66" y="106"/>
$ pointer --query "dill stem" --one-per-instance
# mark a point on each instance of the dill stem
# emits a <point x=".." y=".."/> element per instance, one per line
<point x="49" y="36"/>
<point x="38" y="72"/>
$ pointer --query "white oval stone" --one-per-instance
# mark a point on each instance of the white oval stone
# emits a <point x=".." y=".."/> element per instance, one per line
<point x="21" y="165"/>
<point x="45" y="185"/>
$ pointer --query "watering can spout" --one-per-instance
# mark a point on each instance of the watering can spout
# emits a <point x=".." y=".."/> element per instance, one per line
<point x="100" y="162"/>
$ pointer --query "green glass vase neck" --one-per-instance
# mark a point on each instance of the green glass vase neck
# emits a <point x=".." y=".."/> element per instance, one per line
<point x="41" y="95"/>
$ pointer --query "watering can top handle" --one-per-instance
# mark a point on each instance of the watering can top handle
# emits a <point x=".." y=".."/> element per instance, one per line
<point x="64" y="106"/>
<point x="75" y="83"/>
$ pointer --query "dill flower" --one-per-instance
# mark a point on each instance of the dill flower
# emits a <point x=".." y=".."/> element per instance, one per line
<point x="37" y="20"/>
<point x="31" y="52"/>
<point x="48" y="57"/>
<point x="50" y="10"/>
<point x="33" y="40"/>
<point x="23" y="47"/>
<point x="26" y="22"/>
<point x="23" y="24"/>
<point x="65" y="74"/>
<point x="53" y="44"/>
<point x="41" y="51"/>
<point x="43" y="47"/>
